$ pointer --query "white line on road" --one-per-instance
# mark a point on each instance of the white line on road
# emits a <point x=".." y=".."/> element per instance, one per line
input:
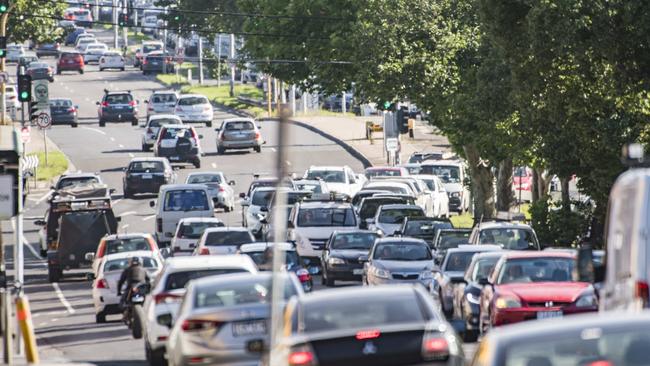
<point x="29" y="247"/>
<point x="65" y="302"/>
<point x="288" y="163"/>
<point x="43" y="197"/>
<point x="94" y="130"/>
<point x="147" y="218"/>
<point x="117" y="201"/>
<point x="120" y="146"/>
<point x="131" y="155"/>
<point x="273" y="149"/>
<point x="214" y="165"/>
<point x="113" y="139"/>
<point x="128" y="213"/>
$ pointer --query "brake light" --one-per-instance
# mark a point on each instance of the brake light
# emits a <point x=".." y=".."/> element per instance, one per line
<point x="368" y="334"/>
<point x="221" y="189"/>
<point x="104" y="104"/>
<point x="72" y="110"/>
<point x="642" y="292"/>
<point x="159" y="226"/>
<point x="190" y="325"/>
<point x="204" y="251"/>
<point x="301" y="358"/>
<point x="166" y="298"/>
<point x="257" y="136"/>
<point x="101" y="284"/>
<point x="144" y="61"/>
<point x="435" y="348"/>
<point x="132" y="103"/>
<point x="303" y="275"/>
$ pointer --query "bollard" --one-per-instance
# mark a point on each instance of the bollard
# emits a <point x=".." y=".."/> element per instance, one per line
<point x="411" y="126"/>
<point x="24" y="316"/>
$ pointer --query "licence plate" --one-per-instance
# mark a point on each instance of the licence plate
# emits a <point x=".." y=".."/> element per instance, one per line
<point x="358" y="271"/>
<point x="549" y="314"/>
<point x="147" y="176"/>
<point x="174" y="158"/>
<point x="257" y="327"/>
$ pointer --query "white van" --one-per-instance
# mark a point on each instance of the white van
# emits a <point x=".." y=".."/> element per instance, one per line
<point x="628" y="259"/>
<point x="176" y="201"/>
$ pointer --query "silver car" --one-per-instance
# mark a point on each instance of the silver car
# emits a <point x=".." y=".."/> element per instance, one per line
<point x="239" y="133"/>
<point x="389" y="218"/>
<point x="161" y="102"/>
<point x="221" y="315"/>
<point x="398" y="260"/>
<point x="219" y="188"/>
<point x="153" y="126"/>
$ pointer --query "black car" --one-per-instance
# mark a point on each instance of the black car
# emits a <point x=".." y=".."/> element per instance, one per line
<point x="71" y="38"/>
<point x="369" y="206"/>
<point x="146" y="175"/>
<point x="340" y="258"/>
<point x="447" y="239"/>
<point x="179" y="144"/>
<point x="63" y="112"/>
<point x="394" y="325"/>
<point x="423" y="227"/>
<point x="48" y="49"/>
<point x="153" y="63"/>
<point x="117" y="107"/>
<point x="359" y="196"/>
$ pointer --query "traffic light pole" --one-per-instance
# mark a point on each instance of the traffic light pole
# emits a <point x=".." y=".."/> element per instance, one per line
<point x="3" y="101"/>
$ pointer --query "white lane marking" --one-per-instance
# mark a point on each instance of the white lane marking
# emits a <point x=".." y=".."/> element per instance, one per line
<point x="42" y="324"/>
<point x="94" y="130"/>
<point x="128" y="213"/>
<point x="55" y="312"/>
<point x="147" y="218"/>
<point x="62" y="298"/>
<point x="288" y="163"/>
<point x="214" y="165"/>
<point x="29" y="247"/>
<point x="120" y="146"/>
<point x="113" y="139"/>
<point x="54" y="320"/>
<point x="273" y="149"/>
<point x="131" y="155"/>
<point x="124" y="227"/>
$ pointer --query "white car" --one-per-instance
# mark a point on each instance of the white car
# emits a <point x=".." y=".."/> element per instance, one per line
<point x="390" y="186"/>
<point x="439" y="194"/>
<point x="11" y="101"/>
<point x="423" y="197"/>
<point x="194" y="108"/>
<point x="161" y="102"/>
<point x="219" y="188"/>
<point x="259" y="200"/>
<point x="189" y="231"/>
<point x="104" y="292"/>
<point x="453" y="175"/>
<point x="94" y="52"/>
<point x="168" y="291"/>
<point x="111" y="60"/>
<point x="122" y="243"/>
<point x="14" y="52"/>
<point x="153" y="125"/>
<point x="340" y="179"/>
<point x="223" y="240"/>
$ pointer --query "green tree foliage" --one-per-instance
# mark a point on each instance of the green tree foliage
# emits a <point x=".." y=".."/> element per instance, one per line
<point x="34" y="20"/>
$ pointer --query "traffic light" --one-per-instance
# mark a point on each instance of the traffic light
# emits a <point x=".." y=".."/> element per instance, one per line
<point x="123" y="20"/>
<point x="3" y="47"/>
<point x="4" y="6"/>
<point x="24" y="88"/>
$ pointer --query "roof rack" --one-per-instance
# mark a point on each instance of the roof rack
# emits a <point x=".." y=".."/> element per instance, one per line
<point x="327" y="197"/>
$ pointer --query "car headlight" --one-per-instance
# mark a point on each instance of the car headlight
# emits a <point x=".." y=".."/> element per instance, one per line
<point x="508" y="303"/>
<point x="334" y="260"/>
<point x="473" y="299"/>
<point x="426" y="275"/>
<point x="454" y="194"/>
<point x="587" y="300"/>
<point x="381" y="273"/>
<point x="380" y="232"/>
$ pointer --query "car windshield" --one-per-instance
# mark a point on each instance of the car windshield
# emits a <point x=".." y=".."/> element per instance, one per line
<point x="241" y="125"/>
<point x="524" y="270"/>
<point x="425" y="227"/>
<point x="402" y="252"/>
<point x="80" y="181"/>
<point x="118" y="99"/>
<point x="310" y="187"/>
<point x="192" y="101"/>
<point x="483" y="267"/>
<point x="509" y="238"/>
<point x="391" y="189"/>
<point x="163" y="98"/>
<point x="360" y="241"/>
<point x="452" y="239"/>
<point x="361" y="312"/>
<point x="264" y="258"/>
<point x="383" y="173"/>
<point x="151" y="47"/>
<point x="446" y="173"/>
<point x="163" y="122"/>
<point x="121" y="264"/>
<point x="186" y="200"/>
<point x="397" y="215"/>
<point x="329" y="176"/>
<point x="60" y="103"/>
<point x="262" y="198"/>
<point x="369" y="207"/>
<point x="458" y="262"/>
<point x="194" y="230"/>
<point x="326" y="217"/>
<point x="127" y="245"/>
<point x="204" y="178"/>
<point x="178" y="280"/>
<point x="240" y="292"/>
<point x="147" y="167"/>
<point x="228" y="238"/>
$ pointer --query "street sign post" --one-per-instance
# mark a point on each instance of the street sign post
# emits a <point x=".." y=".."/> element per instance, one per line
<point x="25" y="134"/>
<point x="392" y="144"/>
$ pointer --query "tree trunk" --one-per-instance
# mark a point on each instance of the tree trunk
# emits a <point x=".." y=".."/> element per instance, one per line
<point x="482" y="184"/>
<point x="566" y="198"/>
<point x="504" y="185"/>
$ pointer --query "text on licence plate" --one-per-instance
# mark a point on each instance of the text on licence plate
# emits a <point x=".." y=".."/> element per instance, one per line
<point x="147" y="176"/>
<point x="549" y="314"/>
<point x="358" y="271"/>
<point x="257" y="327"/>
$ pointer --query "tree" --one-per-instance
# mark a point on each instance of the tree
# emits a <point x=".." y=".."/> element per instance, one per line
<point x="34" y="20"/>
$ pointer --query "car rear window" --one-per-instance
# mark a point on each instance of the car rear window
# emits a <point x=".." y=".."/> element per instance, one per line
<point x="147" y="167"/>
<point x="151" y="47"/>
<point x="323" y="217"/>
<point x="69" y="182"/>
<point x="397" y="215"/>
<point x="360" y="241"/>
<point x="82" y="12"/>
<point x="458" y="262"/>
<point x="262" y="198"/>
<point x="172" y="133"/>
<point x="194" y="230"/>
<point x="121" y="264"/>
<point x="60" y="103"/>
<point x="425" y="227"/>
<point x="66" y="56"/>
<point x="236" y="126"/>
<point x="118" y="98"/>
<point x="163" y="121"/>
<point x="228" y="238"/>
<point x="204" y="178"/>
<point x="192" y="101"/>
<point x="186" y="200"/>
<point x="249" y="291"/>
<point x="452" y="239"/>
<point x="163" y="98"/>
<point x="127" y="245"/>
<point x="178" y="280"/>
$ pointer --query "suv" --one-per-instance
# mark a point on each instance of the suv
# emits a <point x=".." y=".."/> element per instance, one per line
<point x="146" y="48"/>
<point x="118" y="107"/>
<point x="153" y="125"/>
<point x="340" y="179"/>
<point x="154" y="62"/>
<point x="161" y="102"/>
<point x="239" y="133"/>
<point x="179" y="144"/>
<point x="508" y="235"/>
<point x="453" y="176"/>
<point x="70" y="61"/>
<point x="147" y="175"/>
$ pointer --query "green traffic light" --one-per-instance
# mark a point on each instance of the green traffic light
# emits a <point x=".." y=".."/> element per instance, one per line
<point x="386" y="105"/>
<point x="24" y="95"/>
<point x="3" y="9"/>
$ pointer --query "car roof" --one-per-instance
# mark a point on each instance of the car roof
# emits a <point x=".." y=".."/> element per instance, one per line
<point x="124" y="255"/>
<point x="119" y="92"/>
<point x="503" y="225"/>
<point x="207" y="261"/>
<point x="336" y="295"/>
<point x="226" y="229"/>
<point x="235" y="277"/>
<point x="385" y="183"/>
<point x="147" y="158"/>
<point x="459" y="230"/>
<point x="324" y="204"/>
<point x="205" y="173"/>
<point x="537" y="254"/>
<point x="326" y="167"/>
<point x="354" y="231"/>
<point x="490" y="254"/>
<point x="191" y="96"/>
<point x="177" y="126"/>
<point x="399" y="207"/>
<point x="79" y="175"/>
<point x="402" y="240"/>
<point x="161" y="116"/>
<point x="163" y="92"/>
<point x="170" y="187"/>
<point x="186" y="220"/>
<point x="259" y="247"/>
<point x="127" y="236"/>
<point x="469" y="248"/>
<point x="239" y="119"/>
<point x="442" y="162"/>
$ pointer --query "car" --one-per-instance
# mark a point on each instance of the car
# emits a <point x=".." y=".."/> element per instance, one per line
<point x="438" y="194"/>
<point x="453" y="175"/>
<point x="385" y="171"/>
<point x="71" y="38"/>
<point x="423" y="197"/>
<point x="412" y="168"/>
<point x="340" y="257"/>
<point x="168" y="291"/>
<point x="25" y="60"/>
<point x="424" y="228"/>
<point x="149" y="24"/>
<point x="259" y="181"/>
<point x="94" y="52"/>
<point x="446" y="239"/>
<point x="467" y="293"/>
<point x="11" y="99"/>
<point x="177" y="201"/>
<point x="364" y="193"/>
<point x="390" y="186"/>
<point x="122" y="243"/>
<point x="147" y="175"/>
<point x="111" y="60"/>
<point x="14" y="52"/>
<point x="162" y="102"/>
<point x="609" y="338"/>
<point x="40" y="71"/>
<point x="389" y="217"/>
<point x="510" y="235"/>
<point x="419" y="157"/>
<point x="219" y="186"/>
<point x="104" y="288"/>
<point x="398" y="260"/>
<point x="262" y="255"/>
<point x="241" y="303"/>
<point x="381" y="325"/>
<point x="63" y="111"/>
<point x="313" y="222"/>
<point x="179" y="144"/>
<point x="70" y="61"/>
<point x="157" y="61"/>
<point x="315" y="186"/>
<point x="83" y="17"/>
<point x="189" y="231"/>
<point x="340" y="179"/>
<point x="222" y="240"/>
<point x="238" y="134"/>
<point x="256" y="206"/>
<point x="194" y="108"/>
<point x="83" y="43"/>
<point x="68" y="180"/>
<point x="451" y="272"/>
<point x="145" y="48"/>
<point x="153" y="125"/>
<point x="533" y="285"/>
<point x="117" y="106"/>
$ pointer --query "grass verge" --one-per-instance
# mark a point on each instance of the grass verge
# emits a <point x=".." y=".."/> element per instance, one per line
<point x="56" y="165"/>
<point x="221" y="95"/>
<point x="172" y="80"/>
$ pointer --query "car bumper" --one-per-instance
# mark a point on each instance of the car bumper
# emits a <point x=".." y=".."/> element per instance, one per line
<point x="511" y="316"/>
<point x="145" y="187"/>
<point x="372" y="280"/>
<point x="248" y="144"/>
<point x="195" y="117"/>
<point x="47" y="52"/>
<point x="345" y="272"/>
<point x="107" y="65"/>
<point x="125" y="116"/>
<point x="63" y="119"/>
<point x="201" y="355"/>
<point x="106" y="302"/>
<point x="91" y="58"/>
<point x="65" y="67"/>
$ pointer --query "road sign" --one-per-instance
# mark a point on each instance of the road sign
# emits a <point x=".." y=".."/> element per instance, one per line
<point x="392" y="144"/>
<point x="6" y="196"/>
<point x="43" y="121"/>
<point x="180" y="55"/>
<point x="25" y="134"/>
<point x="41" y="91"/>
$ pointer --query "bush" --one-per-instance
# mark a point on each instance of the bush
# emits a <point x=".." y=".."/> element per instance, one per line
<point x="559" y="227"/>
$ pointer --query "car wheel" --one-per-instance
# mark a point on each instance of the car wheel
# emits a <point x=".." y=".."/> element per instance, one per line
<point x="208" y="124"/>
<point x="258" y="149"/>
<point x="138" y="321"/>
<point x="226" y="209"/>
<point x="157" y="357"/>
<point x="58" y="72"/>
<point x="81" y="71"/>
<point x="127" y="193"/>
<point x="102" y="123"/>
<point x="197" y="163"/>
<point x="101" y="69"/>
<point x="100" y="318"/>
<point x="74" y="125"/>
<point x="121" y="69"/>
<point x="220" y="150"/>
<point x="54" y="274"/>
<point x="134" y="122"/>
<point x="145" y="147"/>
<point x="144" y="72"/>
<point x="469" y="335"/>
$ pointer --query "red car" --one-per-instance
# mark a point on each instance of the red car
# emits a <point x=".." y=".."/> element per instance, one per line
<point x="533" y="285"/>
<point x="70" y="61"/>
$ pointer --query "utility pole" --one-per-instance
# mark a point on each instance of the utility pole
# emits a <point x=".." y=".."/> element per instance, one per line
<point x="115" y="31"/>
<point x="125" y="28"/>
<point x="3" y="101"/>
<point x="164" y="65"/>
<point x="232" y="65"/>
<point x="200" y="52"/>
<point x="219" y="60"/>
<point x="292" y="98"/>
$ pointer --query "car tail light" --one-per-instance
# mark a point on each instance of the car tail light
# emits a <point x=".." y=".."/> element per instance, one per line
<point x="302" y="356"/>
<point x="221" y="189"/>
<point x="303" y="275"/>
<point x="159" y="226"/>
<point x="101" y="283"/>
<point x="257" y="136"/>
<point x="368" y="334"/>
<point x="207" y="109"/>
<point x="166" y="298"/>
<point x="104" y="104"/>
<point x="132" y="103"/>
<point x="72" y="110"/>
<point x="190" y="325"/>
<point x="642" y="292"/>
<point x="204" y="251"/>
<point x="144" y="61"/>
<point x="435" y="348"/>
<point x="100" y="250"/>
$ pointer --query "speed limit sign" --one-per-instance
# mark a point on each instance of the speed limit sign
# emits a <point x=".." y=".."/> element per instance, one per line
<point x="43" y="121"/>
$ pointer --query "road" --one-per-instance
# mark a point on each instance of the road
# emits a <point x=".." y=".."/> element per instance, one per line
<point x="63" y="313"/>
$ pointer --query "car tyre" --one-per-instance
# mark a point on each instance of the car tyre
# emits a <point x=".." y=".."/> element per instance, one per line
<point x="197" y="163"/>
<point x="325" y="280"/>
<point x="100" y="318"/>
<point x="127" y="193"/>
<point x="220" y="150"/>
<point x="134" y="122"/>
<point x="101" y="69"/>
<point x="156" y="357"/>
<point x="81" y="71"/>
<point x="470" y="336"/>
<point x="208" y="124"/>
<point x="121" y="69"/>
<point x="102" y="123"/>
<point x="145" y="147"/>
<point x="258" y="149"/>
<point x="54" y="274"/>
<point x="58" y="72"/>
<point x="74" y="125"/>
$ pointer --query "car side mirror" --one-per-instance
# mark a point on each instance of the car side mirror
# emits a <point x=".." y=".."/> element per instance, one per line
<point x="152" y="204"/>
<point x="89" y="257"/>
<point x="483" y="281"/>
<point x="231" y="183"/>
<point x="290" y="225"/>
<point x="166" y="252"/>
<point x="165" y="320"/>
<point x="244" y="202"/>
<point x="242" y="195"/>
<point x="40" y="223"/>
<point x="369" y="221"/>
<point x="217" y="129"/>
<point x="111" y="191"/>
<point x="363" y="259"/>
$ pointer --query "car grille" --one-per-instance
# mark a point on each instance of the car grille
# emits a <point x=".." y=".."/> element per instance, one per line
<point x="318" y="244"/>
<point x="405" y="276"/>
<point x="543" y="304"/>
